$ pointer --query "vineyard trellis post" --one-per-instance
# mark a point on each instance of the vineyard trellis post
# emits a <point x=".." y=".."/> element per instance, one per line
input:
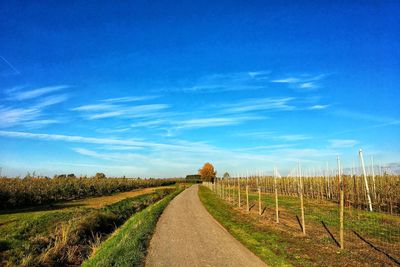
<point x="276" y="197"/>
<point x="341" y="186"/>
<point x="239" y="191"/>
<point x="303" y="225"/>
<point x="373" y="177"/>
<point x="247" y="193"/>
<point x="365" y="179"/>
<point x="259" y="201"/>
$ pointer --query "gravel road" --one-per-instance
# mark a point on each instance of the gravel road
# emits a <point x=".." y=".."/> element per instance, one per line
<point x="187" y="235"/>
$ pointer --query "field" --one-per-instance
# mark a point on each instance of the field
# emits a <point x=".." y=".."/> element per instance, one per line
<point x="64" y="233"/>
<point x="369" y="237"/>
<point x="34" y="191"/>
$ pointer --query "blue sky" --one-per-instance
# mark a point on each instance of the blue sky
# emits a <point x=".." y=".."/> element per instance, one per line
<point x="155" y="88"/>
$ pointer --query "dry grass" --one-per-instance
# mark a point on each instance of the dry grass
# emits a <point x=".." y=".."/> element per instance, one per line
<point x="99" y="202"/>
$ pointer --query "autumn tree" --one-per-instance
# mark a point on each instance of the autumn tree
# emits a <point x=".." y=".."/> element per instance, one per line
<point x="207" y="173"/>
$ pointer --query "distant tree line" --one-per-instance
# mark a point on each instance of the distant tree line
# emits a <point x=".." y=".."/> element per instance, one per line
<point x="31" y="191"/>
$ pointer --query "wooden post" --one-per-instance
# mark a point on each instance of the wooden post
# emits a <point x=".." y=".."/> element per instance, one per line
<point x="259" y="201"/>
<point x="276" y="197"/>
<point x="341" y="204"/>
<point x="328" y="181"/>
<point x="365" y="179"/>
<point x="239" y="192"/>
<point x="247" y="198"/>
<point x="301" y="200"/>
<point x="247" y="191"/>
<point x="373" y="177"/>
<point x="229" y="190"/>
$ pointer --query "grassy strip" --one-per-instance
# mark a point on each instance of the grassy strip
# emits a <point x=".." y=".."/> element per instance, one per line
<point x="268" y="246"/>
<point x="377" y="225"/>
<point x="127" y="246"/>
<point x="66" y="237"/>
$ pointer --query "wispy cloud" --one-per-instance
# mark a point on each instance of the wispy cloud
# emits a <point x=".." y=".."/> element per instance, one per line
<point x="150" y="123"/>
<point x="51" y="100"/>
<point x="130" y="99"/>
<point x="293" y="137"/>
<point x="301" y="82"/>
<point x="30" y="94"/>
<point x="275" y="136"/>
<point x="214" y="122"/>
<point x="261" y="104"/>
<point x="95" y="107"/>
<point x="342" y="143"/>
<point x="224" y="82"/>
<point x="32" y="117"/>
<point x="108" y="156"/>
<point x="287" y="80"/>
<point x="188" y="146"/>
<point x="119" y="109"/>
<point x="318" y="107"/>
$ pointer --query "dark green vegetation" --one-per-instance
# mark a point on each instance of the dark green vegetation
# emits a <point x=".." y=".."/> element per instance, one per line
<point x="193" y="178"/>
<point x="283" y="243"/>
<point x="16" y="193"/>
<point x="127" y="246"/>
<point x="65" y="237"/>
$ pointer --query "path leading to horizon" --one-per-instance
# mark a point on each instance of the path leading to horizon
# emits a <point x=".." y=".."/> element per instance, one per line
<point x="187" y="235"/>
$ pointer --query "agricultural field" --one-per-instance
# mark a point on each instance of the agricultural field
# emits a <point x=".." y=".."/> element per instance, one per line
<point x="285" y="220"/>
<point x="65" y="233"/>
<point x="33" y="191"/>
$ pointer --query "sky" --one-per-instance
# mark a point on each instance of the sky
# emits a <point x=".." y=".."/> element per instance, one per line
<point x="158" y="88"/>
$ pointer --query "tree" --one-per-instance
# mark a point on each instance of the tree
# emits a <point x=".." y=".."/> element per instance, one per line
<point x="226" y="175"/>
<point x="100" y="175"/>
<point x="207" y="173"/>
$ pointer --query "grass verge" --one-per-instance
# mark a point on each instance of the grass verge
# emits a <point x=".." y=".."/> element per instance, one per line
<point x="127" y="246"/>
<point x="268" y="246"/>
<point x="65" y="237"/>
<point x="318" y="247"/>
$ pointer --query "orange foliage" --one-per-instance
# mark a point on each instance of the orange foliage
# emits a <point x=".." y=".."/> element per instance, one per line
<point x="207" y="173"/>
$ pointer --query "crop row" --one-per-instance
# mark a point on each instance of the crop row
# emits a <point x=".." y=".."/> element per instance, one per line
<point x="16" y="192"/>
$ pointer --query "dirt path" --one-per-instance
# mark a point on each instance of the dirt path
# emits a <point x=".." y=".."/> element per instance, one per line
<point x="187" y="235"/>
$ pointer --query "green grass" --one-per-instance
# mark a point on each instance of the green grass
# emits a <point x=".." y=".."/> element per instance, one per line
<point x="382" y="226"/>
<point x="27" y="237"/>
<point x="266" y="245"/>
<point x="285" y="240"/>
<point x="127" y="246"/>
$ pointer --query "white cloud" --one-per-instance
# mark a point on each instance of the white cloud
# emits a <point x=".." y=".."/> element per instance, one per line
<point x="287" y="80"/>
<point x="130" y="99"/>
<point x="25" y="95"/>
<point x="342" y="143"/>
<point x="302" y="82"/>
<point x="15" y="116"/>
<point x="260" y="104"/>
<point x="32" y="116"/>
<point x="316" y="107"/>
<point x="51" y="100"/>
<point x="308" y="85"/>
<point x="151" y="123"/>
<point x="225" y="82"/>
<point x="105" y="110"/>
<point x="293" y="137"/>
<point x="213" y="122"/>
<point x="95" y="107"/>
<point x="105" y="115"/>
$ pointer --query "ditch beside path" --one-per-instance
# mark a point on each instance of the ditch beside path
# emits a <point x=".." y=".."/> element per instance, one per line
<point x="187" y="235"/>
